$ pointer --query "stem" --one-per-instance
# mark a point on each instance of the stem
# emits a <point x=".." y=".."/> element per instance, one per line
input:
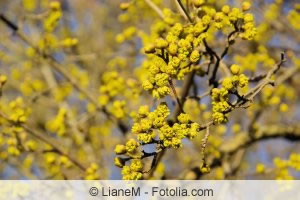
<point x="155" y="8"/>
<point x="185" y="11"/>
<point x="203" y="146"/>
<point x="176" y="96"/>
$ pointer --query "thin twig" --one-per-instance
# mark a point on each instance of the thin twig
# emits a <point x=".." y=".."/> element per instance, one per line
<point x="185" y="11"/>
<point x="203" y="146"/>
<point x="175" y="95"/>
<point x="198" y="98"/>
<point x="155" y="8"/>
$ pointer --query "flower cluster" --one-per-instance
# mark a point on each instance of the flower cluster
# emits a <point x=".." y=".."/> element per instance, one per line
<point x="3" y="80"/>
<point x="118" y="109"/>
<point x="229" y="17"/>
<point x="19" y="112"/>
<point x="10" y="140"/>
<point x="62" y="92"/>
<point x="278" y="97"/>
<point x="153" y="127"/>
<point x="180" y="51"/>
<point x="170" y="135"/>
<point x="134" y="171"/>
<point x="220" y="97"/>
<point x="12" y="146"/>
<point x="147" y="122"/>
<point x="55" y="14"/>
<point x="69" y="42"/>
<point x="252" y="60"/>
<point x="173" y="58"/>
<point x="29" y="5"/>
<point x="127" y="34"/>
<point x="92" y="172"/>
<point x="158" y="79"/>
<point x="294" y="17"/>
<point x="57" y="125"/>
<point x="54" y="163"/>
<point x="49" y="41"/>
<point x="112" y="85"/>
<point x="29" y="86"/>
<point x="282" y="166"/>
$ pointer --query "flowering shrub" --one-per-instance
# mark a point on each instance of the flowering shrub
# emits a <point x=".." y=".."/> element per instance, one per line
<point x="181" y="89"/>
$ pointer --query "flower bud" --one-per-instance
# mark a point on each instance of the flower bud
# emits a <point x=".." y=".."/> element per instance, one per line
<point x="124" y="6"/>
<point x="198" y="3"/>
<point x="160" y="43"/>
<point x="235" y="69"/>
<point x="149" y="49"/>
<point x="205" y="170"/>
<point x="246" y="6"/>
<point x="120" y="149"/>
<point x="55" y="5"/>
<point x="226" y="9"/>
<point x="3" y="79"/>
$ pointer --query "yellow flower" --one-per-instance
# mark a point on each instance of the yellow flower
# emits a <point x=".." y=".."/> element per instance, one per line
<point x="243" y="80"/>
<point x="236" y="128"/>
<point x="54" y="5"/>
<point x="136" y="165"/>
<point x="160" y="43"/>
<point x="173" y="49"/>
<point x="205" y="169"/>
<point x="147" y="85"/>
<point x="30" y="5"/>
<point x="227" y="83"/>
<point x="146" y="137"/>
<point x="195" y="56"/>
<point x="283" y="107"/>
<point x="120" y="149"/>
<point x="149" y="49"/>
<point x="69" y="42"/>
<point x="220" y="173"/>
<point x="144" y="110"/>
<point x="183" y="118"/>
<point x="91" y="172"/>
<point x="235" y="69"/>
<point x="131" y="145"/>
<point x="124" y="5"/>
<point x="226" y="9"/>
<point x="128" y="174"/>
<point x="260" y="168"/>
<point x="219" y="118"/>
<point x="248" y="17"/>
<point x="120" y="38"/>
<point x="246" y="6"/>
<point x="194" y="130"/>
<point x="198" y="3"/>
<point x="206" y="19"/>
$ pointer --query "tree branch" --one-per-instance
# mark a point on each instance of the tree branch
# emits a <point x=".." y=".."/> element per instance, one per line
<point x="185" y="11"/>
<point x="48" y="140"/>
<point x="155" y="8"/>
<point x="58" y="67"/>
